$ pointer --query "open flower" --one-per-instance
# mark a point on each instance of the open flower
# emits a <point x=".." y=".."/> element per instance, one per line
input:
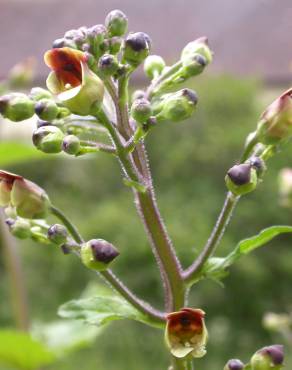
<point x="71" y="79"/>
<point x="29" y="199"/>
<point x="186" y="333"/>
<point x="276" y="121"/>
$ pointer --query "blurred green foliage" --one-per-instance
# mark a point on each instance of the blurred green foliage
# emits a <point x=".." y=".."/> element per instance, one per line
<point x="189" y="161"/>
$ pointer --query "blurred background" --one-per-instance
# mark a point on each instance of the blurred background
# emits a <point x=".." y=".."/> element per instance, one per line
<point x="252" y="65"/>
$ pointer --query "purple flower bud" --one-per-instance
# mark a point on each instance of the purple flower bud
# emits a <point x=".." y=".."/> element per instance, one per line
<point x="97" y="254"/>
<point x="234" y="364"/>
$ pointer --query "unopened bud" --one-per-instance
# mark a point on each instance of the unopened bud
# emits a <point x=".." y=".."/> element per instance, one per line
<point x="138" y="94"/>
<point x="276" y="121"/>
<point x="153" y="66"/>
<point x="193" y="65"/>
<point x="48" y="139"/>
<point x="64" y="42"/>
<point x="71" y="144"/>
<point x="136" y="48"/>
<point x="97" y="254"/>
<point x="116" y="23"/>
<point x="241" y="179"/>
<point x="20" y="228"/>
<point x="46" y="109"/>
<point x="271" y="357"/>
<point x="199" y="46"/>
<point x="57" y="234"/>
<point x="141" y="110"/>
<point x="258" y="164"/>
<point x="16" y="107"/>
<point x="178" y="106"/>
<point x="115" y="44"/>
<point x="38" y="93"/>
<point x="108" y="64"/>
<point x="234" y="365"/>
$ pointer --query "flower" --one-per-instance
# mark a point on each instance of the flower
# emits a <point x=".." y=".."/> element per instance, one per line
<point x="276" y="121"/>
<point x="186" y="333"/>
<point x="29" y="199"/>
<point x="71" y="79"/>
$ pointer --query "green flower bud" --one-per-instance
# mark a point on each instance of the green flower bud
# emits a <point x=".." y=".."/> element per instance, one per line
<point x="153" y="66"/>
<point x="71" y="144"/>
<point x="38" y="93"/>
<point x="46" y="109"/>
<point x="199" y="46"/>
<point x="141" y="110"/>
<point x="115" y="44"/>
<point x="276" y="121"/>
<point x="241" y="179"/>
<point x="193" y="65"/>
<point x="16" y="107"/>
<point x="116" y="23"/>
<point x="96" y="34"/>
<point x="177" y="106"/>
<point x="20" y="228"/>
<point x="57" y="234"/>
<point x="97" y="254"/>
<point x="108" y="65"/>
<point x="48" y="139"/>
<point x="234" y="365"/>
<point x="271" y="357"/>
<point x="136" y="48"/>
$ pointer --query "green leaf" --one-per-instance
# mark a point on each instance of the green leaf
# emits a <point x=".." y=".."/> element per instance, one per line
<point x="248" y="245"/>
<point x="12" y="152"/>
<point x="21" y="351"/>
<point x="101" y="310"/>
<point x="65" y="336"/>
<point x="216" y="267"/>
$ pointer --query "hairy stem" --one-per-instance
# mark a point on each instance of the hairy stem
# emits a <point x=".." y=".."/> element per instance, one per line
<point x="155" y="316"/>
<point x="194" y="270"/>
<point x="14" y="270"/>
<point x="163" y="249"/>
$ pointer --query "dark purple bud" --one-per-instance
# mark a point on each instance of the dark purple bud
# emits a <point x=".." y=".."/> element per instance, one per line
<point x="103" y="251"/>
<point x="258" y="164"/>
<point x="275" y="352"/>
<point x="65" y="248"/>
<point x="191" y="95"/>
<point x="234" y="364"/>
<point x="240" y="174"/>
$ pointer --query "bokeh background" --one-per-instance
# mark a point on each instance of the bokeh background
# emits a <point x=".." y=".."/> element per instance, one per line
<point x="252" y="65"/>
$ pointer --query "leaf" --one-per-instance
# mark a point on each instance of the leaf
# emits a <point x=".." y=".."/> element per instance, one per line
<point x="101" y="310"/>
<point x="65" y="336"/>
<point x="248" y="245"/>
<point x="12" y="152"/>
<point x="21" y="351"/>
<point x="216" y="267"/>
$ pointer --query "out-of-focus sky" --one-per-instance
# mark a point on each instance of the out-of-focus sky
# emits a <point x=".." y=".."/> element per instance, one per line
<point x="249" y="37"/>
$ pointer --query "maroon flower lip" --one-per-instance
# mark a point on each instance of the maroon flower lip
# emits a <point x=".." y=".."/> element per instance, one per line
<point x="66" y="63"/>
<point x="186" y="323"/>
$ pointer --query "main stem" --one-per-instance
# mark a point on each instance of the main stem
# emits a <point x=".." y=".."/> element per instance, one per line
<point x="136" y="169"/>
